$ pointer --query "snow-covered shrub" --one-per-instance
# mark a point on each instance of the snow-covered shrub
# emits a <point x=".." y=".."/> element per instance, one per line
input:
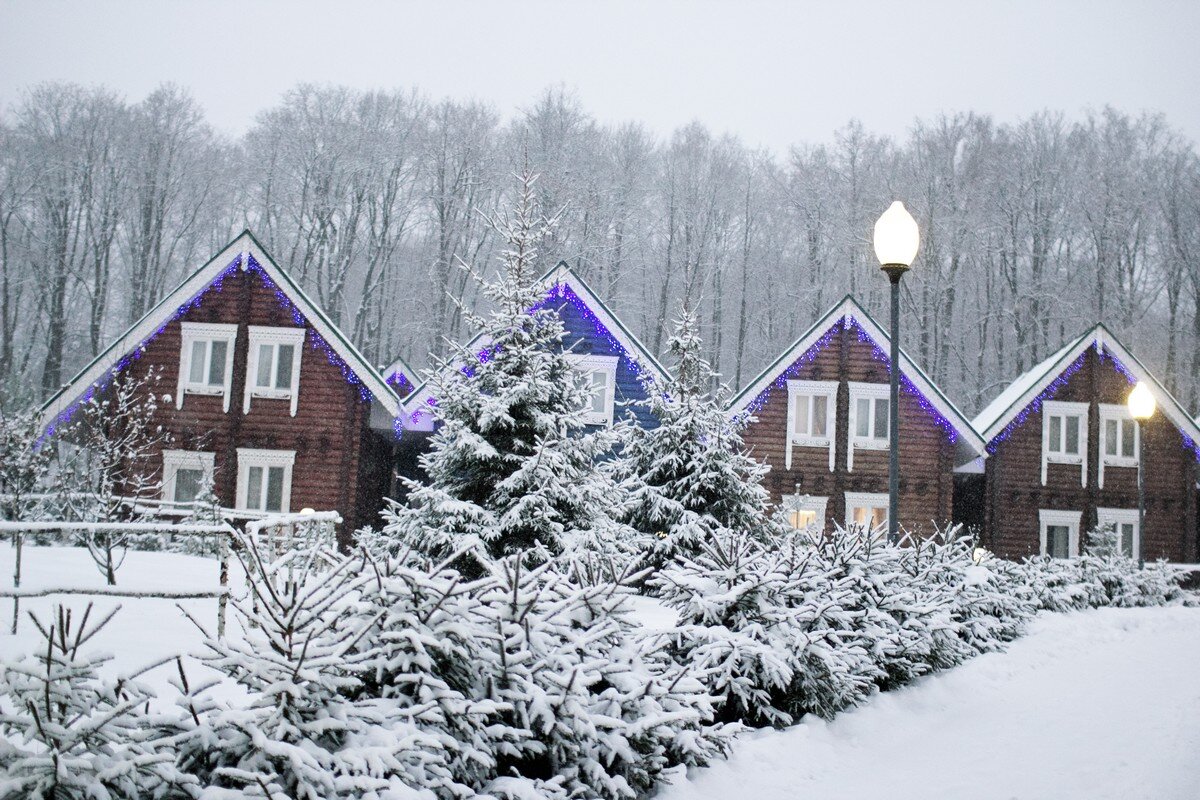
<point x="67" y="733"/>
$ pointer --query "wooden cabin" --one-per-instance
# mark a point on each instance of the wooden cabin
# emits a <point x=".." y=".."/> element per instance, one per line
<point x="1064" y="458"/>
<point x="264" y="397"/>
<point x="819" y="420"/>
<point x="598" y="343"/>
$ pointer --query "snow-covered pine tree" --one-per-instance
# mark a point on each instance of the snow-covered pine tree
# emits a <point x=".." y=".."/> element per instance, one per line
<point x="291" y="737"/>
<point x="689" y="477"/>
<point x="68" y="734"/>
<point x="23" y="465"/>
<point x="513" y="465"/>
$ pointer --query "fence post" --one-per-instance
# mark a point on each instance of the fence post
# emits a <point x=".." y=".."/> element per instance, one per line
<point x="223" y="600"/>
<point x="17" y="541"/>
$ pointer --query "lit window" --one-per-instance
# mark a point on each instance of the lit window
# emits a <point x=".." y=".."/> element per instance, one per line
<point x="205" y="360"/>
<point x="1064" y="436"/>
<point x="1124" y="523"/>
<point x="1059" y="533"/>
<point x="869" y="404"/>
<point x="866" y="511"/>
<point x="805" y="512"/>
<point x="1118" y="439"/>
<point x="265" y="480"/>
<point x="599" y="375"/>
<point x="273" y="370"/>
<point x="186" y="475"/>
<point x="812" y="408"/>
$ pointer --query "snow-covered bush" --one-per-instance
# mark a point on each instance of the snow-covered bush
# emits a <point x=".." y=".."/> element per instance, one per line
<point x="67" y="733"/>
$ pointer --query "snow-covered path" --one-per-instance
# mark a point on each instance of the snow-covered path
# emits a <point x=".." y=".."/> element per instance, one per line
<point x="1098" y="704"/>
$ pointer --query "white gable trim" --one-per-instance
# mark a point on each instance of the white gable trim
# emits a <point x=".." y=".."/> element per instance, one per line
<point x="164" y="312"/>
<point x="849" y="309"/>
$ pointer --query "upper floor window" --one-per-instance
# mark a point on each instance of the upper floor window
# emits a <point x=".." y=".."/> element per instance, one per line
<point x="1118" y="439"/>
<point x="187" y="475"/>
<point x="812" y="409"/>
<point x="205" y="360"/>
<point x="265" y="480"/>
<point x="273" y="368"/>
<point x="869" y="403"/>
<point x="600" y="382"/>
<point x="866" y="511"/>
<point x="1064" y="436"/>
<point x="1059" y="533"/>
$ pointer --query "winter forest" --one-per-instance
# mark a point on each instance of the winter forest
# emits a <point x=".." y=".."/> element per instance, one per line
<point x="371" y="199"/>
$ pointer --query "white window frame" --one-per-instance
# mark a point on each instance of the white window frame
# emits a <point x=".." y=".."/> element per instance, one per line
<point x="1069" y="519"/>
<point x="1121" y="516"/>
<point x="1052" y="408"/>
<point x="864" y="391"/>
<point x="192" y="332"/>
<point x="810" y="389"/>
<point x="1119" y="413"/>
<point x="806" y="502"/>
<point x="262" y="335"/>
<point x="855" y="500"/>
<point x="251" y="457"/>
<point x="586" y="365"/>
<point x="175" y="460"/>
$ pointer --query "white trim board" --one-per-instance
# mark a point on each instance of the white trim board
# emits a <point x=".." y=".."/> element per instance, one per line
<point x="849" y="309"/>
<point x="235" y="255"/>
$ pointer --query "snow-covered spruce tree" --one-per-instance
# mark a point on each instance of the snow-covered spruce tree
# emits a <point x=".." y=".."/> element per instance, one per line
<point x="689" y="476"/>
<point x="513" y="465"/>
<point x="23" y="465"/>
<point x="295" y="734"/>
<point x="67" y="733"/>
<point x="766" y="627"/>
<point x="605" y="714"/>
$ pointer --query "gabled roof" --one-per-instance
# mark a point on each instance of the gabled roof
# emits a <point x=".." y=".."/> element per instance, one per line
<point x="564" y="282"/>
<point x="970" y="444"/>
<point x="400" y="376"/>
<point x="1027" y="389"/>
<point x="244" y="252"/>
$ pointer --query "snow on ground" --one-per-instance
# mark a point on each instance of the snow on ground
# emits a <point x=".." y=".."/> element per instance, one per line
<point x="1095" y="704"/>
<point x="145" y="629"/>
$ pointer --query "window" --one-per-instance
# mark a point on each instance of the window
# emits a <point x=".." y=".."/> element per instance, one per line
<point x="600" y="381"/>
<point x="1118" y="439"/>
<point x="1059" y="533"/>
<point x="273" y="370"/>
<point x="1064" y="436"/>
<point x="1124" y="522"/>
<point x="187" y="475"/>
<point x="805" y="512"/>
<point x="868" y="418"/>
<point x="205" y="360"/>
<point x="866" y="511"/>
<point x="265" y="480"/>
<point x="812" y="408"/>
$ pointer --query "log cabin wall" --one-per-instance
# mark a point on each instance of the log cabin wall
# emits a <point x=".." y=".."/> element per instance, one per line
<point x="926" y="449"/>
<point x="334" y="445"/>
<point x="1014" y="492"/>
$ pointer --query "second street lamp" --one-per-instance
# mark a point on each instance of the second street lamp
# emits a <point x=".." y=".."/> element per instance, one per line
<point x="896" y="241"/>
<point x="1141" y="404"/>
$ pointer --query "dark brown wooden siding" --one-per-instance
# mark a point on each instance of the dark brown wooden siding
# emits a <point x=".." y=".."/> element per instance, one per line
<point x="926" y="452"/>
<point x="1015" y="493"/>
<point x="337" y="455"/>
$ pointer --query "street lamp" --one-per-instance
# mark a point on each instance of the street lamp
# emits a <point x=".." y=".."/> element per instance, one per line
<point x="896" y="241"/>
<point x="1141" y="407"/>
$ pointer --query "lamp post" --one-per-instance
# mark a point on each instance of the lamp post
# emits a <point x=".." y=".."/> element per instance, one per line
<point x="1141" y="407"/>
<point x="896" y="241"/>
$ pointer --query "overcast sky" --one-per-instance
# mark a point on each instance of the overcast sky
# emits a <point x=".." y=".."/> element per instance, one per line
<point x="772" y="73"/>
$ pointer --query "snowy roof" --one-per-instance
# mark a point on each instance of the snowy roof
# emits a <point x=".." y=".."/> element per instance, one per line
<point x="971" y="445"/>
<point x="399" y="373"/>
<point x="1000" y="413"/>
<point x="238" y="252"/>
<point x="415" y="403"/>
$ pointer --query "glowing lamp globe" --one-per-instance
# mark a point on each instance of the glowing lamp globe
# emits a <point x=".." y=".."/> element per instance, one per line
<point x="896" y="237"/>
<point x="307" y="511"/>
<point x="1141" y="402"/>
